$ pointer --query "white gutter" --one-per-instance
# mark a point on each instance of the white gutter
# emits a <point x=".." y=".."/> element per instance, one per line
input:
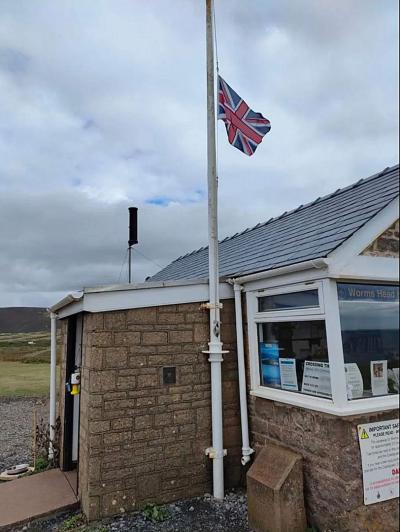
<point x="70" y="298"/>
<point x="306" y="265"/>
<point x="53" y="380"/>
<point x="246" y="449"/>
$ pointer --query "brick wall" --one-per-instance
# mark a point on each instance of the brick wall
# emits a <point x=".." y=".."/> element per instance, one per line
<point x="141" y="440"/>
<point x="386" y="245"/>
<point x="332" y="464"/>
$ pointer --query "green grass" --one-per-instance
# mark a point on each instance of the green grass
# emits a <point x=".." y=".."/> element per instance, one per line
<point x="25" y="347"/>
<point x="29" y="380"/>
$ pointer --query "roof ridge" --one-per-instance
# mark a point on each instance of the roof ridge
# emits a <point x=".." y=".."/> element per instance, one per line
<point x="285" y="214"/>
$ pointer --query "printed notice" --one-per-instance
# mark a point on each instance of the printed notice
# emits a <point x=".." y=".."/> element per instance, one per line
<point x="379" y="445"/>
<point x="288" y="374"/>
<point x="317" y="379"/>
<point x="354" y="381"/>
<point x="379" y="377"/>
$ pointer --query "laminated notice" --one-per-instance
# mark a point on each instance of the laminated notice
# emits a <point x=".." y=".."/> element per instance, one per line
<point x="379" y="445"/>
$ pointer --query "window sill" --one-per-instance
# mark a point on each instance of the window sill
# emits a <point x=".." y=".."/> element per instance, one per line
<point x="352" y="408"/>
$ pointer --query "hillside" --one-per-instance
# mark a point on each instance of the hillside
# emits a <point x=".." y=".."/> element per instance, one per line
<point x="23" y="319"/>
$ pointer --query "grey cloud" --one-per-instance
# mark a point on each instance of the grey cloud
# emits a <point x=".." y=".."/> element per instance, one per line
<point x="104" y="107"/>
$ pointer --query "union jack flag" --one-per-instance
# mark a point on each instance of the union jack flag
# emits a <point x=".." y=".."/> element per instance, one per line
<point x="245" y="128"/>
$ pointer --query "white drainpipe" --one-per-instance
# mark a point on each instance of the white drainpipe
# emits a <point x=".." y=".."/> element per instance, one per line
<point x="53" y="379"/>
<point x="246" y="449"/>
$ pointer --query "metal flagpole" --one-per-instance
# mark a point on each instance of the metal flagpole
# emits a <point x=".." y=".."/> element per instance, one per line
<point x="216" y="452"/>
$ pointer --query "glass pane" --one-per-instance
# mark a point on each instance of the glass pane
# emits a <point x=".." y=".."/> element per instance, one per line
<point x="369" y="316"/>
<point x="293" y="300"/>
<point x="293" y="356"/>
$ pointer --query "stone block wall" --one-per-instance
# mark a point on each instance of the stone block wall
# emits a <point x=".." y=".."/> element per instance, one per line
<point x="332" y="464"/>
<point x="141" y="440"/>
<point x="386" y="245"/>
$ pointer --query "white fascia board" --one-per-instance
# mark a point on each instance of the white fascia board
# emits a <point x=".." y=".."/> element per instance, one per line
<point x="367" y="268"/>
<point x="287" y="279"/>
<point x="362" y="238"/>
<point x="70" y="310"/>
<point x="146" y="285"/>
<point x="150" y="297"/>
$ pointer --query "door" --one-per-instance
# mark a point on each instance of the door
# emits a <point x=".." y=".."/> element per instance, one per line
<point x="72" y="402"/>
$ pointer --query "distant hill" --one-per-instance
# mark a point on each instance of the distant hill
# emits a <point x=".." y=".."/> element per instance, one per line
<point x="23" y="319"/>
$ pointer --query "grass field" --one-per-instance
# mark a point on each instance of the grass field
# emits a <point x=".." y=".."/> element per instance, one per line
<point x="29" y="380"/>
<point x="24" y="364"/>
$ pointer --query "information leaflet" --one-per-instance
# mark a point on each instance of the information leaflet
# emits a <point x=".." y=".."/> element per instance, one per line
<point x="379" y="445"/>
<point x="317" y="379"/>
<point x="354" y="381"/>
<point x="379" y="377"/>
<point x="288" y="374"/>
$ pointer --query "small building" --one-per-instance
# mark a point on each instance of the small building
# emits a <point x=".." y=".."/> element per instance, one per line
<point x="310" y="298"/>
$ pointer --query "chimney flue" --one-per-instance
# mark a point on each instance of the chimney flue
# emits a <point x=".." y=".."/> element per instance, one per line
<point x="133" y="237"/>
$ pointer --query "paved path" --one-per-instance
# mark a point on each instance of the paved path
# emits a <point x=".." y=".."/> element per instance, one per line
<point x="31" y="497"/>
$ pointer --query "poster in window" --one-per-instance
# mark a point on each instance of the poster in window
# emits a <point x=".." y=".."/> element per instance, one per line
<point x="379" y="377"/>
<point x="269" y="353"/>
<point x="287" y="368"/>
<point x="354" y="381"/>
<point x="317" y="379"/>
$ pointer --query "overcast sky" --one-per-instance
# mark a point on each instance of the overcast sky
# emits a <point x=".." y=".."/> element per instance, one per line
<point x="102" y="106"/>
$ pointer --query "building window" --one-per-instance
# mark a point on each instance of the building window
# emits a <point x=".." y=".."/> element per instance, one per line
<point x="291" y="340"/>
<point x="290" y="301"/>
<point x="369" y="317"/>
<point x="293" y="356"/>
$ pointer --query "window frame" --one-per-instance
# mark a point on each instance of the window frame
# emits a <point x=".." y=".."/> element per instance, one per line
<point x="328" y="311"/>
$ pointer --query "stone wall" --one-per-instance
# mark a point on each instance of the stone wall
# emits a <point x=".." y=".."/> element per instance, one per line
<point x="332" y="464"/>
<point x="141" y="440"/>
<point x="386" y="245"/>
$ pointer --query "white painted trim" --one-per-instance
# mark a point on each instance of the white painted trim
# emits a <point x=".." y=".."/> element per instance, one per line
<point x="367" y="268"/>
<point x="146" y="285"/>
<point x="339" y="405"/>
<point x="335" y="345"/>
<point x="295" y="312"/>
<point x="69" y="310"/>
<point x="362" y="238"/>
<point x="287" y="280"/>
<point x="141" y="297"/>
<point x="67" y="300"/>
<point x="355" y="407"/>
<point x="318" y="264"/>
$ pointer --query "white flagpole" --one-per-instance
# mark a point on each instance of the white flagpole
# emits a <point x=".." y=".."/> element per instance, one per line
<point x="216" y="452"/>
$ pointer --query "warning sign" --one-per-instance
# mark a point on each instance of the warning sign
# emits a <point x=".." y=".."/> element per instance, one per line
<point x="379" y="445"/>
<point x="364" y="435"/>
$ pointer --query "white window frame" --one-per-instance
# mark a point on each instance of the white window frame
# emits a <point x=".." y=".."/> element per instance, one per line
<point x="327" y="311"/>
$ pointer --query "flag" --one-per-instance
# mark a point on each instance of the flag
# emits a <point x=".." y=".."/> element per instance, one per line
<point x="244" y="127"/>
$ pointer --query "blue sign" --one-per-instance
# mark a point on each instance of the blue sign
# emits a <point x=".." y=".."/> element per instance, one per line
<point x="270" y="372"/>
<point x="367" y="292"/>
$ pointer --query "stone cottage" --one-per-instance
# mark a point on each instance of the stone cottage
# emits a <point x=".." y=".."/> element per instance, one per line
<point x="310" y="304"/>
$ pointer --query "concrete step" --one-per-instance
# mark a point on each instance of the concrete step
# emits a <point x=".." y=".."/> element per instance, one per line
<point x="29" y="498"/>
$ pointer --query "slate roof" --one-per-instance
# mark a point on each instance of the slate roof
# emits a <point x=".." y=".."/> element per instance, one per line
<point x="309" y="232"/>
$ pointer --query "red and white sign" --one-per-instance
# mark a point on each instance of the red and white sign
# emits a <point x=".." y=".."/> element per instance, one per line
<point x="379" y="444"/>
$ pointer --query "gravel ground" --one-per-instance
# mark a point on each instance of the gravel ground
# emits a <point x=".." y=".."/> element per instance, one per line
<point x="201" y="514"/>
<point x="16" y="428"/>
